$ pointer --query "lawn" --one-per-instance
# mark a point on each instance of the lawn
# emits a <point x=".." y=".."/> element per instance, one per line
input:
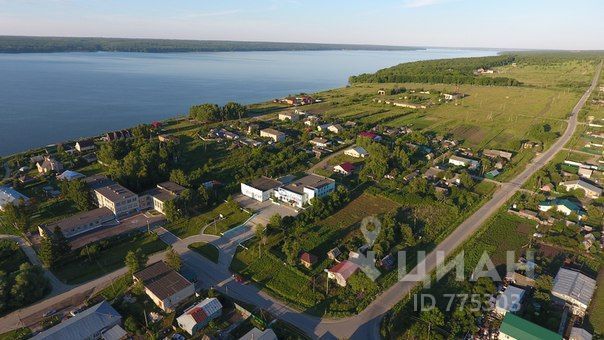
<point x="77" y="269"/>
<point x="233" y="217"/>
<point x="117" y="288"/>
<point x="206" y="250"/>
<point x="325" y="235"/>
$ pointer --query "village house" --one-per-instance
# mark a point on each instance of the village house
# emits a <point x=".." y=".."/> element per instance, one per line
<point x="432" y="173"/>
<point x="256" y="334"/>
<point x="311" y="120"/>
<point x="115" y="135"/>
<point x="49" y="164"/>
<point x="356" y="152"/>
<point x="345" y="168"/>
<point x="79" y="223"/>
<point x="320" y="142"/>
<point x="85" y="145"/>
<point x="370" y="135"/>
<point x="514" y="327"/>
<point x="196" y="317"/>
<point x="291" y="116"/>
<point x="471" y="164"/>
<point x="165" y="286"/>
<point x="8" y="195"/>
<point x="91" y="323"/>
<point x="335" y="128"/>
<point x="276" y="136"/>
<point x="342" y="271"/>
<point x="252" y="128"/>
<point x="562" y="205"/>
<point x="323" y="127"/>
<point x="69" y="175"/>
<point x="497" y="153"/>
<point x="585" y="173"/>
<point x="300" y="192"/>
<point x="166" y="138"/>
<point x="591" y="190"/>
<point x="308" y="260"/>
<point x="157" y="197"/>
<point x="575" y="289"/>
<point x="334" y="253"/>
<point x="260" y="189"/>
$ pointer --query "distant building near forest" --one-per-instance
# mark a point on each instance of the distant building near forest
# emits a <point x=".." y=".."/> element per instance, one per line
<point x="157" y="197"/>
<point x="497" y="153"/>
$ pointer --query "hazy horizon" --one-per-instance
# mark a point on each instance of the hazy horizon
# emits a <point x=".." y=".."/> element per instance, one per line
<point x="540" y="24"/>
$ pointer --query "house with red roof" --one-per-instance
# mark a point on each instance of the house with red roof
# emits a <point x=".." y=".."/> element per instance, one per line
<point x="345" y="168"/>
<point x="307" y="259"/>
<point x="342" y="271"/>
<point x="370" y="135"/>
<point x="198" y="316"/>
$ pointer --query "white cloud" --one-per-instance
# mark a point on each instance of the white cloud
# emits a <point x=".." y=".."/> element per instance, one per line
<point x="423" y="3"/>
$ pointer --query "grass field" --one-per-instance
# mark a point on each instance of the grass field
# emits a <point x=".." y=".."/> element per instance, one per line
<point x="496" y="117"/>
<point x="17" y="334"/>
<point x="77" y="269"/>
<point x="233" y="216"/>
<point x="561" y="74"/>
<point x="207" y="250"/>
<point x="325" y="235"/>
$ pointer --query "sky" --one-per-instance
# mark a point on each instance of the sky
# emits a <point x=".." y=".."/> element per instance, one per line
<point x="513" y="24"/>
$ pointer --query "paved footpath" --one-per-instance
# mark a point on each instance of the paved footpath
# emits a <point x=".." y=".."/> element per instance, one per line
<point x="364" y="325"/>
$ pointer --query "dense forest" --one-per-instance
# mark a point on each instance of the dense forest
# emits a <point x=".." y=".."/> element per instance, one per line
<point x="446" y="71"/>
<point x="19" y="44"/>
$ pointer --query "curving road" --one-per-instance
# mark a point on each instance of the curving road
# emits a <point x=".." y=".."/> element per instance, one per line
<point x="364" y="325"/>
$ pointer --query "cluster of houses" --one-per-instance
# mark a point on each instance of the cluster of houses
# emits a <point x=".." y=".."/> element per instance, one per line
<point x="572" y="291"/>
<point x="295" y="192"/>
<point x="114" y="203"/>
<point x="297" y="100"/>
<point x="168" y="290"/>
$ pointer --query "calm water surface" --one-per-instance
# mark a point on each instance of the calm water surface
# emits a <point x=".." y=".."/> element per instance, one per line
<point x="51" y="97"/>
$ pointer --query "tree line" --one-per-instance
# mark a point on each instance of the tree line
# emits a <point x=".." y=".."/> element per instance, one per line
<point x="208" y="112"/>
<point x="445" y="71"/>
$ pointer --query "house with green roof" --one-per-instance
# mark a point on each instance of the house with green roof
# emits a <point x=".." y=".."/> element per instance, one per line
<point x="514" y="327"/>
<point x="562" y="205"/>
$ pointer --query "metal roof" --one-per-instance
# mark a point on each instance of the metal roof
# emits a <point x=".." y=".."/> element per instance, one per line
<point x="516" y="327"/>
<point x="162" y="280"/>
<point x="570" y="284"/>
<point x="84" y="325"/>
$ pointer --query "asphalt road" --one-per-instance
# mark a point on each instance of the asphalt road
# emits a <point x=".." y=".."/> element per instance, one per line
<point x="364" y="325"/>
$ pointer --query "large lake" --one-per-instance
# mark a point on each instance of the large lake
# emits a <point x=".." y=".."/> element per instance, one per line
<point x="49" y="98"/>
